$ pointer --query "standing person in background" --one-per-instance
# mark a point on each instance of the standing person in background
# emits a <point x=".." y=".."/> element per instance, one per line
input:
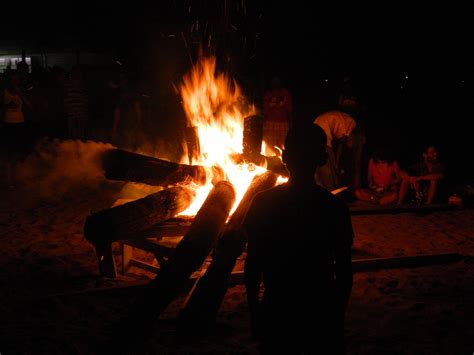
<point x="14" y="134"/>
<point x="277" y="108"/>
<point x="338" y="127"/>
<point x="55" y="109"/>
<point x="76" y="104"/>
<point x="351" y="168"/>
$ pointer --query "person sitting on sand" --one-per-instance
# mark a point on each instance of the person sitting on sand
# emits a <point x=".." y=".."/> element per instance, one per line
<point x="383" y="177"/>
<point x="423" y="178"/>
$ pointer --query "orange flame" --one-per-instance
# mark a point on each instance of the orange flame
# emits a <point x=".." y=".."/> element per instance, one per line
<point x="215" y="105"/>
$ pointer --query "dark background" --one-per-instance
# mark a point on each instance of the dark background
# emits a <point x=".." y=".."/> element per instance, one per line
<point x="309" y="46"/>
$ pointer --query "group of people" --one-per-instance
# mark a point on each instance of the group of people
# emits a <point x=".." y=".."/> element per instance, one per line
<point x="290" y="303"/>
<point x="387" y="183"/>
<point x="59" y="104"/>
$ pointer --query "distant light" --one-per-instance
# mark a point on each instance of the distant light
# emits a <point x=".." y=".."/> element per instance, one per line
<point x="406" y="76"/>
<point x="326" y="80"/>
<point x="401" y="87"/>
<point x="462" y="81"/>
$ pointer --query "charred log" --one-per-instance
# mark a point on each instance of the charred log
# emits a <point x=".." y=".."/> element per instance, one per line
<point x="273" y="163"/>
<point x="127" y="166"/>
<point x="192" y="143"/>
<point x="190" y="253"/>
<point x="136" y="219"/>
<point x="252" y="137"/>
<point x="203" y="304"/>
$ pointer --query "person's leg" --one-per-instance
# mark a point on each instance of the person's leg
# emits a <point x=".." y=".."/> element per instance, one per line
<point x="404" y="186"/>
<point x="389" y="198"/>
<point x="431" y="191"/>
<point x="364" y="195"/>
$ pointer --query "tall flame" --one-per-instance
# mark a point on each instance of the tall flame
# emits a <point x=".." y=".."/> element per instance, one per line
<point x="215" y="105"/>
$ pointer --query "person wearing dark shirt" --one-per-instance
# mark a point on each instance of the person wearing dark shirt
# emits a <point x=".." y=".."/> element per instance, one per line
<point x="299" y="244"/>
<point x="423" y="177"/>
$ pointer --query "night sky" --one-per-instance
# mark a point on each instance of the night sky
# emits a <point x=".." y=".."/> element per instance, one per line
<point x="412" y="66"/>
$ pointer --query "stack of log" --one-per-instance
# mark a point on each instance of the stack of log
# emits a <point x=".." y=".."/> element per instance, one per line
<point x="209" y="229"/>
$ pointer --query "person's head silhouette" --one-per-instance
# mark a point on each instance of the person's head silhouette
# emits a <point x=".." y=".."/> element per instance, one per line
<point x="305" y="150"/>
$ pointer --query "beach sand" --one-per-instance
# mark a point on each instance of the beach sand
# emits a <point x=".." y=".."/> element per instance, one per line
<point x="55" y="302"/>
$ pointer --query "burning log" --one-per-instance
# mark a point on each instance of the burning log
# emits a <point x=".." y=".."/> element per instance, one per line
<point x="138" y="218"/>
<point x="126" y="166"/>
<point x="192" y="143"/>
<point x="252" y="137"/>
<point x="189" y="254"/>
<point x="273" y="164"/>
<point x="252" y="147"/>
<point x="204" y="301"/>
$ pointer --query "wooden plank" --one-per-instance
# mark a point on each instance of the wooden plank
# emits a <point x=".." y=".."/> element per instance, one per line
<point x="144" y="266"/>
<point x="361" y="265"/>
<point x="127" y="254"/>
<point x="105" y="259"/>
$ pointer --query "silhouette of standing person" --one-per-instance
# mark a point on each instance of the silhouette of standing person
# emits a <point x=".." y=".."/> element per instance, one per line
<point x="299" y="244"/>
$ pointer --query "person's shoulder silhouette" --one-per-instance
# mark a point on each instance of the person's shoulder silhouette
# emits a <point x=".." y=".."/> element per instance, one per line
<point x="299" y="242"/>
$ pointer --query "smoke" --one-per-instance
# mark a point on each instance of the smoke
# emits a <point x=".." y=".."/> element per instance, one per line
<point x="55" y="167"/>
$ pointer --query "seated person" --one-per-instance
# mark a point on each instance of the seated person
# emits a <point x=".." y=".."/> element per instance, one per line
<point x="422" y="178"/>
<point x="383" y="178"/>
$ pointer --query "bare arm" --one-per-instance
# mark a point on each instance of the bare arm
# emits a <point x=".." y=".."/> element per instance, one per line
<point x="396" y="177"/>
<point x="433" y="176"/>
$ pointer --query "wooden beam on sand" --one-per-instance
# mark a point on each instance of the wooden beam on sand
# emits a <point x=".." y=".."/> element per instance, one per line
<point x="372" y="264"/>
<point x="360" y="265"/>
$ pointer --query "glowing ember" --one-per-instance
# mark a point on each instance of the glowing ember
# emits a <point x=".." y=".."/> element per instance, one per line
<point x="215" y="104"/>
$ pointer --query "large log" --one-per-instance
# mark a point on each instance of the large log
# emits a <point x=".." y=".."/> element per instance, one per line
<point x="202" y="306"/>
<point x="273" y="163"/>
<point x="189" y="255"/>
<point x="136" y="219"/>
<point x="122" y="165"/>
<point x="192" y="143"/>
<point x="252" y="137"/>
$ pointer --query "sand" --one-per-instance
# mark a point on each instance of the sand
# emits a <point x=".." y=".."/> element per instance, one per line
<point x="55" y="302"/>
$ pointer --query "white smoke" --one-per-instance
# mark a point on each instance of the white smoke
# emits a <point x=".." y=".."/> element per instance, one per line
<point x="56" y="167"/>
